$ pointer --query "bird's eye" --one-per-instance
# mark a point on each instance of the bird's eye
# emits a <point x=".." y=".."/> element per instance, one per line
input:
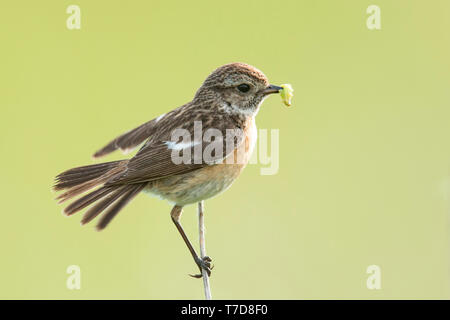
<point x="243" y="87"/>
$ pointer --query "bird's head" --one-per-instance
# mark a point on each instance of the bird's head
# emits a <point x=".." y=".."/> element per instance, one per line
<point x="239" y="87"/>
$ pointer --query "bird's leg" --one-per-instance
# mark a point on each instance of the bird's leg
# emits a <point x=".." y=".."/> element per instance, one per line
<point x="202" y="263"/>
<point x="201" y="237"/>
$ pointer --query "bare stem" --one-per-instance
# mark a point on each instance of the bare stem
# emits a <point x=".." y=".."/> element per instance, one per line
<point x="201" y="233"/>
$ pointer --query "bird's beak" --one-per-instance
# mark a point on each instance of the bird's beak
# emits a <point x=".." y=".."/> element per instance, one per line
<point x="272" y="89"/>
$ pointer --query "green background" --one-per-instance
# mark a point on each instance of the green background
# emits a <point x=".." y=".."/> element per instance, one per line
<point x="364" y="172"/>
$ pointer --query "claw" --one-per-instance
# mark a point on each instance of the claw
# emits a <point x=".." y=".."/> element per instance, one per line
<point x="203" y="264"/>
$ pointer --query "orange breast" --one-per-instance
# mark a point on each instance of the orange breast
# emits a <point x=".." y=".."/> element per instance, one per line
<point x="210" y="180"/>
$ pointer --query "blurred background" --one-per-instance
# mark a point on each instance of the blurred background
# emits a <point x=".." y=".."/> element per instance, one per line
<point x="364" y="164"/>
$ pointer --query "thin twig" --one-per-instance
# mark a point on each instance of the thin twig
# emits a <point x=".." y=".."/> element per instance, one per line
<point x="201" y="233"/>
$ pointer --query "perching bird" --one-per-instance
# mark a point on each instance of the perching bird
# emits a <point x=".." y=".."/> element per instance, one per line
<point x="217" y="132"/>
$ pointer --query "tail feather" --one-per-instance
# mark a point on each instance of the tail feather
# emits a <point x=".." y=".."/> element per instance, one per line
<point x="89" y="183"/>
<point x="119" y="205"/>
<point x="111" y="198"/>
<point x="86" y="200"/>
<point x="82" y="174"/>
<point x="103" y="204"/>
<point x="73" y="181"/>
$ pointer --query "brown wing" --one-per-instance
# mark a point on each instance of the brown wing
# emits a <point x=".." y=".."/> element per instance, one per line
<point x="157" y="160"/>
<point x="133" y="138"/>
<point x="128" y="140"/>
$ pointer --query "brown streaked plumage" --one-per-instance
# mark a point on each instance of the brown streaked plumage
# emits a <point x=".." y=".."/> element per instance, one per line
<point x="229" y="99"/>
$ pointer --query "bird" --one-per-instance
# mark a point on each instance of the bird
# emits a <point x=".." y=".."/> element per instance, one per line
<point x="187" y="155"/>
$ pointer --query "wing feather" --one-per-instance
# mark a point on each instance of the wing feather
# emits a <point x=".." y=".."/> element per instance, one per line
<point x="128" y="140"/>
<point x="157" y="160"/>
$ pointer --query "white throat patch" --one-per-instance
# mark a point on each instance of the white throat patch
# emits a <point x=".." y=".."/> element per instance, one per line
<point x="233" y="109"/>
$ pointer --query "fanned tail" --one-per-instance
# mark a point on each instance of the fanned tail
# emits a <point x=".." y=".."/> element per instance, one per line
<point x="79" y="175"/>
<point x="119" y="205"/>
<point x="111" y="198"/>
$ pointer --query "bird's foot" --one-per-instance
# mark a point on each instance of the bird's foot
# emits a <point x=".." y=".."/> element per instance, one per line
<point x="203" y="264"/>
